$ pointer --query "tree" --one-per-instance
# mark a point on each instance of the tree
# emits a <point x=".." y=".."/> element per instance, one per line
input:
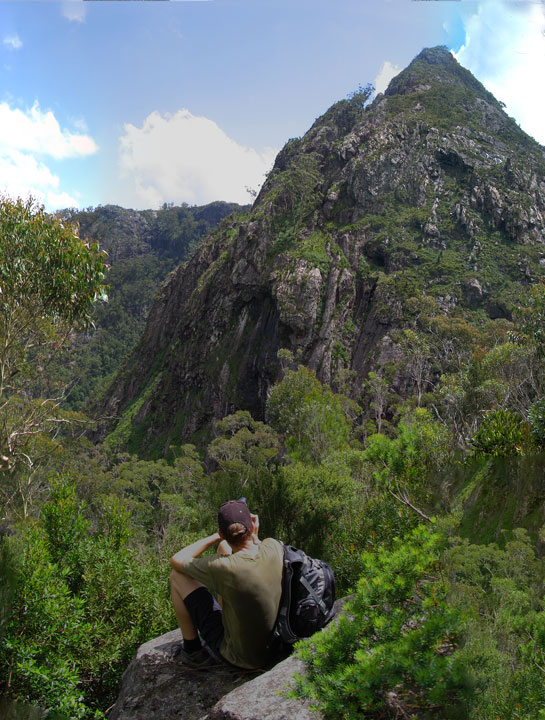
<point x="530" y="316"/>
<point x="405" y="466"/>
<point x="313" y="420"/>
<point x="418" y="354"/>
<point x="247" y="454"/>
<point x="49" y="281"/>
<point x="377" y="386"/>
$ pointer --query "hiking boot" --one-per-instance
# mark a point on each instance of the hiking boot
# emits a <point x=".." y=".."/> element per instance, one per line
<point x="198" y="659"/>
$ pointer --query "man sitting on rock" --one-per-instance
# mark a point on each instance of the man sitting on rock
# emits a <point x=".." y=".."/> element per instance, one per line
<point x="246" y="573"/>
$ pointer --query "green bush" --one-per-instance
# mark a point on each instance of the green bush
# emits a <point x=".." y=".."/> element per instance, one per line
<point x="313" y="420"/>
<point x="408" y="465"/>
<point x="391" y="652"/>
<point x="314" y="502"/>
<point x="501" y="433"/>
<point x="83" y="601"/>
<point x="40" y="651"/>
<point x="501" y="592"/>
<point x="536" y="420"/>
<point x="436" y="629"/>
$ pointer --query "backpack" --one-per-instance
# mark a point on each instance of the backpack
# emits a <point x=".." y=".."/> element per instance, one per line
<point x="308" y="596"/>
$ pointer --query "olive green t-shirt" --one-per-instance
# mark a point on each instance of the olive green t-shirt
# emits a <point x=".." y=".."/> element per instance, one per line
<point x="250" y="586"/>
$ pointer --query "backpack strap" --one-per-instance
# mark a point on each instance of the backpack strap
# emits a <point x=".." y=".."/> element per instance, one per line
<point x="317" y="599"/>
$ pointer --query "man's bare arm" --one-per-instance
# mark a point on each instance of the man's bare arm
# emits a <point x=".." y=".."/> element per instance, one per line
<point x="192" y="551"/>
<point x="255" y="529"/>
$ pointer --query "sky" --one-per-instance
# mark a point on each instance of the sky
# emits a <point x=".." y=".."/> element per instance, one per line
<point x="142" y="103"/>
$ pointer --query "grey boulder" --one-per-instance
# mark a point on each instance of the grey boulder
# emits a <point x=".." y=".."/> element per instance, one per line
<point x="158" y="686"/>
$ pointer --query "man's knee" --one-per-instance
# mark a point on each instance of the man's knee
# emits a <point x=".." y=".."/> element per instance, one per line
<point x="183" y="584"/>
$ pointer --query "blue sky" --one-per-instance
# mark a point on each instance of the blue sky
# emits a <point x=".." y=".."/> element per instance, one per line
<point x="140" y="103"/>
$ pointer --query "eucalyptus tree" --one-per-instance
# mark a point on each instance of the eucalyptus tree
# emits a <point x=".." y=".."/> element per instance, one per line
<point x="50" y="279"/>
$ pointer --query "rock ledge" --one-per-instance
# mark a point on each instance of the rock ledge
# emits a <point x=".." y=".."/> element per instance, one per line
<point x="157" y="685"/>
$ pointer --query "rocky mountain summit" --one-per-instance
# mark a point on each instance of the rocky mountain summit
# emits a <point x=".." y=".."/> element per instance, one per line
<point x="427" y="199"/>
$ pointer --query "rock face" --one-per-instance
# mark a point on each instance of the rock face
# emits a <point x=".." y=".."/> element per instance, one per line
<point x="156" y="685"/>
<point x="431" y="191"/>
<point x="263" y="698"/>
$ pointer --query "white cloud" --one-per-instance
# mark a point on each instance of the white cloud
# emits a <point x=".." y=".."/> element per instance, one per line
<point x="185" y="158"/>
<point x="13" y="41"/>
<point x="505" y="49"/>
<point x="79" y="123"/>
<point x="26" y="138"/>
<point x="386" y="73"/>
<point x="35" y="130"/>
<point x="74" y="10"/>
<point x="22" y="175"/>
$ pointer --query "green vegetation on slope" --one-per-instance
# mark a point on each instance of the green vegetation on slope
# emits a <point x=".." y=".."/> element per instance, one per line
<point x="142" y="247"/>
<point x="437" y="618"/>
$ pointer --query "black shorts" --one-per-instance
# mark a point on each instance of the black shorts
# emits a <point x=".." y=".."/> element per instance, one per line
<point x="206" y="616"/>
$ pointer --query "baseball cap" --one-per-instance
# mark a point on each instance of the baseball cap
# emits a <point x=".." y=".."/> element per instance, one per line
<point x="234" y="511"/>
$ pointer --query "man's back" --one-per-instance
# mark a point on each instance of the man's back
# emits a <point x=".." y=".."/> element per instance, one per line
<point x="250" y="583"/>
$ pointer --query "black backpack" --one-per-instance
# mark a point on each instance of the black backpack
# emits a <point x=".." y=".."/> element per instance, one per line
<point x="308" y="596"/>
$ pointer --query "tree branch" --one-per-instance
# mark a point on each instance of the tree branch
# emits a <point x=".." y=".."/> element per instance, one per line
<point x="405" y="501"/>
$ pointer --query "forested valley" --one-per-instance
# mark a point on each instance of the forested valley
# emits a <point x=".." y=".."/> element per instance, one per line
<point x="361" y="354"/>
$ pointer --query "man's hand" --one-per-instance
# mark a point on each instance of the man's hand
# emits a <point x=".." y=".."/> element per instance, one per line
<point x="255" y="528"/>
<point x="193" y="551"/>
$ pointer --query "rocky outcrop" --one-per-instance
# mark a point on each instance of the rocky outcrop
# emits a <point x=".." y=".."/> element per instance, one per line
<point x="429" y="191"/>
<point x="126" y="233"/>
<point x="264" y="698"/>
<point x="156" y="685"/>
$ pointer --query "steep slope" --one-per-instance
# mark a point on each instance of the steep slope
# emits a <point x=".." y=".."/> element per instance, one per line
<point x="143" y="246"/>
<point x="429" y="192"/>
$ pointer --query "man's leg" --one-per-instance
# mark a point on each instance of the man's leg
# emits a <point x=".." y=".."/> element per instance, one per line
<point x="181" y="586"/>
<point x="199" y="617"/>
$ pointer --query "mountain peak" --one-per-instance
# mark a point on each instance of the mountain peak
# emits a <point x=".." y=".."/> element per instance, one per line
<point x="430" y="199"/>
<point x="436" y="66"/>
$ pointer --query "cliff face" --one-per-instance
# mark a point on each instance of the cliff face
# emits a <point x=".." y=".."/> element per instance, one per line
<point x="431" y="191"/>
<point x="143" y="247"/>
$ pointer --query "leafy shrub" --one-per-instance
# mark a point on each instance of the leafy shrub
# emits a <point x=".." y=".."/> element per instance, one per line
<point x="40" y="654"/>
<point x="314" y="502"/>
<point x="501" y="433"/>
<point x="83" y="601"/>
<point x="501" y="592"/>
<point x="406" y="466"/>
<point x="312" y="418"/>
<point x="393" y="645"/>
<point x="536" y="420"/>
<point x="436" y="628"/>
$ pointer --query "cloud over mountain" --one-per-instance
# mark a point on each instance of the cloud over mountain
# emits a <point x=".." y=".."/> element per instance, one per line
<point x="386" y="73"/>
<point x="181" y="157"/>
